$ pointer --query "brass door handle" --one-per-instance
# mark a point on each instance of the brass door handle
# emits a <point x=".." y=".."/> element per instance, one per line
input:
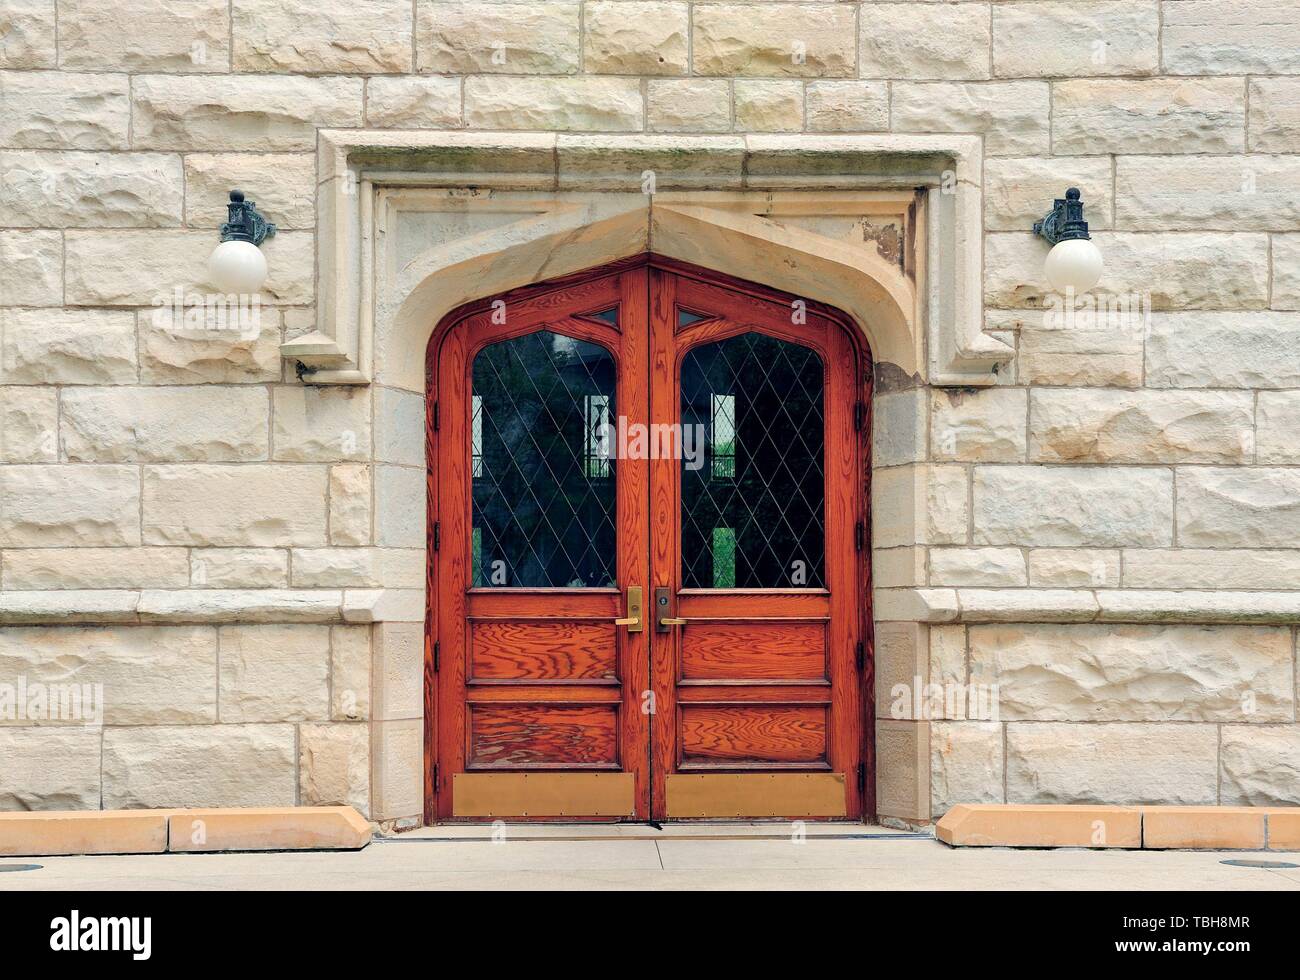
<point x="635" y="612"/>
<point x="673" y="622"/>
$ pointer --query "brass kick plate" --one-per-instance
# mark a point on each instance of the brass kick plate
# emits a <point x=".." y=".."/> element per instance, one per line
<point x="783" y="794"/>
<point x="543" y="794"/>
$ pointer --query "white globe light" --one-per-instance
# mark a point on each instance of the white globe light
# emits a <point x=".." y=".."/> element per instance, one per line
<point x="1073" y="264"/>
<point x="237" y="267"/>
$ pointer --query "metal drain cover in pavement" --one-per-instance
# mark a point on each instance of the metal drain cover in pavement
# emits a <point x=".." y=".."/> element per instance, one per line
<point x="21" y="867"/>
<point x="1238" y="863"/>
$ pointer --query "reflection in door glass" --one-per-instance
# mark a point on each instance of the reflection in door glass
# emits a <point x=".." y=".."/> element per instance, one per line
<point x="753" y="517"/>
<point x="544" y="493"/>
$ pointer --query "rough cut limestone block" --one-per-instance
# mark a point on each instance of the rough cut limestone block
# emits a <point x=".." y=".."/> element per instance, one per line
<point x="1211" y="568"/>
<point x="321" y="424"/>
<point x="148" y="268"/>
<point x="1079" y="37"/>
<point x="1013" y="117"/>
<point x="1074" y="568"/>
<point x="400" y="499"/>
<point x="199" y="765"/>
<point x="1075" y="763"/>
<point x="923" y="41"/>
<point x="965" y="764"/>
<point x="1107" y="426"/>
<point x="274" y="673"/>
<point x="1144" y="272"/>
<point x="164" y="425"/>
<point x="334" y="765"/>
<point x="986" y="425"/>
<point x="27" y="34"/>
<point x="1274" y="115"/>
<point x="49" y="768"/>
<point x="75" y="189"/>
<point x="1250" y="507"/>
<point x="629" y="37"/>
<point x="586" y="103"/>
<point x="282" y="185"/>
<point x="948" y="663"/>
<point x="1053" y="351"/>
<point x="977" y="566"/>
<point x="68" y="347"/>
<point x="69" y="505"/>
<point x="922" y="504"/>
<point x="505" y="38"/>
<point x="283" y="828"/>
<point x="902" y="657"/>
<point x="399" y="426"/>
<point x="1217" y="828"/>
<point x="79" y="832"/>
<point x="768" y="107"/>
<point x="1260" y="765"/>
<point x="336" y="568"/>
<point x="209" y="356"/>
<point x="1072" y="506"/>
<point x="1021" y="825"/>
<point x="399" y="671"/>
<point x="411" y="102"/>
<point x="1277" y="419"/>
<point x="1224" y="350"/>
<point x="1230" y="37"/>
<point x="1136" y="673"/>
<point x="1286" y="272"/>
<point x="266" y="112"/>
<point x="150" y="675"/>
<point x="29" y="425"/>
<point x="1158" y="115"/>
<point x="350" y="673"/>
<point x="96" y="568"/>
<point x="239" y="568"/>
<point x="1019" y="190"/>
<point x="31" y="268"/>
<point x="64" y="110"/>
<point x="688" y="105"/>
<point x="899" y="427"/>
<point x="349" y="505"/>
<point x="902" y="772"/>
<point x="847" y="107"/>
<point x="806" y="39"/>
<point x="182" y="35"/>
<point x="1232" y="193"/>
<point x="353" y="37"/>
<point x="258" y="505"/>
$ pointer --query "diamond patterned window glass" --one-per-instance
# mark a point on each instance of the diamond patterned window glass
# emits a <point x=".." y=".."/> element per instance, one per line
<point x="544" y="505"/>
<point x="754" y="517"/>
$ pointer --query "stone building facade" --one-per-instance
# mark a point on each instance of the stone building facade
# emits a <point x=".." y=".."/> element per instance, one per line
<point x="1092" y="515"/>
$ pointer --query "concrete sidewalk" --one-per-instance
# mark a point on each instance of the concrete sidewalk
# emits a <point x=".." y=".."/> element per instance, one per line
<point x="712" y="856"/>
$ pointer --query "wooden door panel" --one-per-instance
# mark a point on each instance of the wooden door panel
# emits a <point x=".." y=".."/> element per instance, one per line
<point x="510" y="735"/>
<point x="543" y="651"/>
<point x="721" y="736"/>
<point x="740" y="652"/>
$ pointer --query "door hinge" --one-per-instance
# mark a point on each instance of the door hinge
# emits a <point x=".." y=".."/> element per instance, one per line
<point x="861" y="656"/>
<point x="859" y="535"/>
<point x="435" y="779"/>
<point x="437" y="534"/>
<point x="435" y="416"/>
<point x="436" y="660"/>
<point x="859" y="416"/>
<point x="862" y="777"/>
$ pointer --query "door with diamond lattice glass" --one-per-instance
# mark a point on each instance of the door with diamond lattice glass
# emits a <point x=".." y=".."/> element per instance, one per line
<point x="645" y="510"/>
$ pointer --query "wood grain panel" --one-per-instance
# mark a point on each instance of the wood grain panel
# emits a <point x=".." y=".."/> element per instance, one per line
<point x="542" y="651"/>
<point x="712" y="733"/>
<point x="542" y="736"/>
<point x="754" y="651"/>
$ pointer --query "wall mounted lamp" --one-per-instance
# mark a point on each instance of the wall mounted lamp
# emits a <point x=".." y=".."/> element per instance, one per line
<point x="1074" y="261"/>
<point x="237" y="265"/>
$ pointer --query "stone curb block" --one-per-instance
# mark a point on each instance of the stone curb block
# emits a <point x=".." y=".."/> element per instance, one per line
<point x="57" y="832"/>
<point x="71" y="832"/>
<point x="1219" y="828"/>
<point x="1012" y="825"/>
<point x="267" y="829"/>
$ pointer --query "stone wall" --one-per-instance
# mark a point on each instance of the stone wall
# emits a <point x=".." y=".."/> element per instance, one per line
<point x="1108" y="535"/>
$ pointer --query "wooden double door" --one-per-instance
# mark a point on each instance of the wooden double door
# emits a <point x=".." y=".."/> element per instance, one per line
<point x="648" y="561"/>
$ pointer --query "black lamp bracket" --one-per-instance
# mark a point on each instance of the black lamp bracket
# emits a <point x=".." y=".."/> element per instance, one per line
<point x="245" y="222"/>
<point x="1065" y="220"/>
